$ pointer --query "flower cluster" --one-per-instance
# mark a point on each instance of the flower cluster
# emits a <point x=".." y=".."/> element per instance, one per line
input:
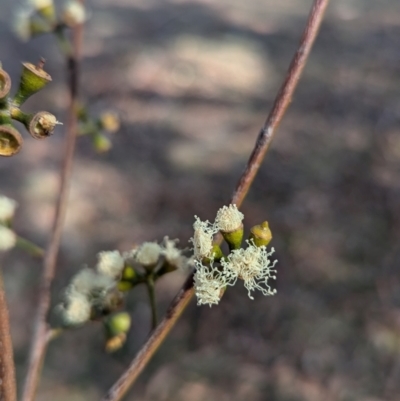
<point x="94" y="293"/>
<point x="8" y="238"/>
<point x="214" y="271"/>
<point x="39" y="16"/>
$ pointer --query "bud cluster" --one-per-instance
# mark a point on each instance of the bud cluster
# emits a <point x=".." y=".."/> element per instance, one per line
<point x="39" y="125"/>
<point x="39" y="17"/>
<point x="215" y="271"/>
<point x="98" y="129"/>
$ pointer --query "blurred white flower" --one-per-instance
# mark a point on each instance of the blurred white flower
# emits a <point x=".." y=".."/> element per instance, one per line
<point x="74" y="13"/>
<point x="110" y="263"/>
<point x="21" y="22"/>
<point x="75" y="310"/>
<point x="7" y="208"/>
<point x="8" y="238"/>
<point x="173" y="255"/>
<point x="90" y="283"/>
<point x="148" y="253"/>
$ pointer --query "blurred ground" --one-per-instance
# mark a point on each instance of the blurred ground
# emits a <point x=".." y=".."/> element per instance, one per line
<point x="193" y="81"/>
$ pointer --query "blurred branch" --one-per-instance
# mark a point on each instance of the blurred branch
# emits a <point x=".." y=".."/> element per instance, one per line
<point x="282" y="101"/>
<point x="42" y="332"/>
<point x="7" y="368"/>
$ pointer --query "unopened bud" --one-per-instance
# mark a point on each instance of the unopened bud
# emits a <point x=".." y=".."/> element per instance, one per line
<point x="261" y="234"/>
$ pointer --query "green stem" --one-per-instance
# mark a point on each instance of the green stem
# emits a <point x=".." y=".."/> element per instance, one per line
<point x="63" y="41"/>
<point x="30" y="247"/>
<point x="152" y="296"/>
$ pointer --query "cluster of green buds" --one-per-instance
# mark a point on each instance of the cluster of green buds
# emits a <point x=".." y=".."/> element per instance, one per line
<point x="40" y="17"/>
<point x="98" y="128"/>
<point x="97" y="294"/>
<point x="215" y="271"/>
<point x="8" y="238"/>
<point x="40" y="125"/>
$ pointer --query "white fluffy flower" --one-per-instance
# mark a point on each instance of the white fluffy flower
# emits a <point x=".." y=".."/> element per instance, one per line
<point x="110" y="263"/>
<point x="90" y="283"/>
<point x="148" y="253"/>
<point x="74" y="13"/>
<point x="8" y="238"/>
<point x="209" y="284"/>
<point x="229" y="218"/>
<point x="253" y="266"/>
<point x="76" y="309"/>
<point x="7" y="208"/>
<point x="203" y="238"/>
<point x="173" y="255"/>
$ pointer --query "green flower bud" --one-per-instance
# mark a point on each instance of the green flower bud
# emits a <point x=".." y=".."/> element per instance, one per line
<point x="216" y="252"/>
<point x="234" y="238"/>
<point x="124" y="286"/>
<point x="116" y="328"/>
<point x="229" y="222"/>
<point x="261" y="234"/>
<point x="128" y="273"/>
<point x="117" y="324"/>
<point x="101" y="143"/>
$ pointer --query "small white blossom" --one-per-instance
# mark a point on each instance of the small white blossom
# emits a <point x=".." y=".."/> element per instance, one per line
<point x="110" y="263"/>
<point x="7" y="208"/>
<point x="170" y="251"/>
<point x="76" y="309"/>
<point x="90" y="283"/>
<point x="173" y="255"/>
<point x="229" y="218"/>
<point x="148" y="253"/>
<point x="253" y="266"/>
<point x="74" y="13"/>
<point x="8" y="238"/>
<point x="209" y="284"/>
<point x="129" y="256"/>
<point x="21" y="23"/>
<point x="203" y="238"/>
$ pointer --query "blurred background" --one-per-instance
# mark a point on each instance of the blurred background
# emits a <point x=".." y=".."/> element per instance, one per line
<point x="193" y="82"/>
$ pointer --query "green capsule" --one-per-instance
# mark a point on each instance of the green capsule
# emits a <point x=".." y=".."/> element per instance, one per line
<point x="32" y="80"/>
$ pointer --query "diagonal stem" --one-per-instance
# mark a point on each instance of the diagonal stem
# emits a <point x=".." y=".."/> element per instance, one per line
<point x="7" y="368"/>
<point x="41" y="335"/>
<point x="282" y="101"/>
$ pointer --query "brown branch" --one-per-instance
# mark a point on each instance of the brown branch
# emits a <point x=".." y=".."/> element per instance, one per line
<point x="7" y="369"/>
<point x="41" y="334"/>
<point x="282" y="101"/>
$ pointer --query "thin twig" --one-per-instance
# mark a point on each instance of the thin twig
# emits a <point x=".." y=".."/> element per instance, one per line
<point x="7" y="369"/>
<point x="282" y="101"/>
<point x="152" y="298"/>
<point x="41" y="335"/>
<point x="30" y="247"/>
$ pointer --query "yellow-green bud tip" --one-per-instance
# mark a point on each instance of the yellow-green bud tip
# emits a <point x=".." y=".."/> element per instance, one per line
<point x="261" y="234"/>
